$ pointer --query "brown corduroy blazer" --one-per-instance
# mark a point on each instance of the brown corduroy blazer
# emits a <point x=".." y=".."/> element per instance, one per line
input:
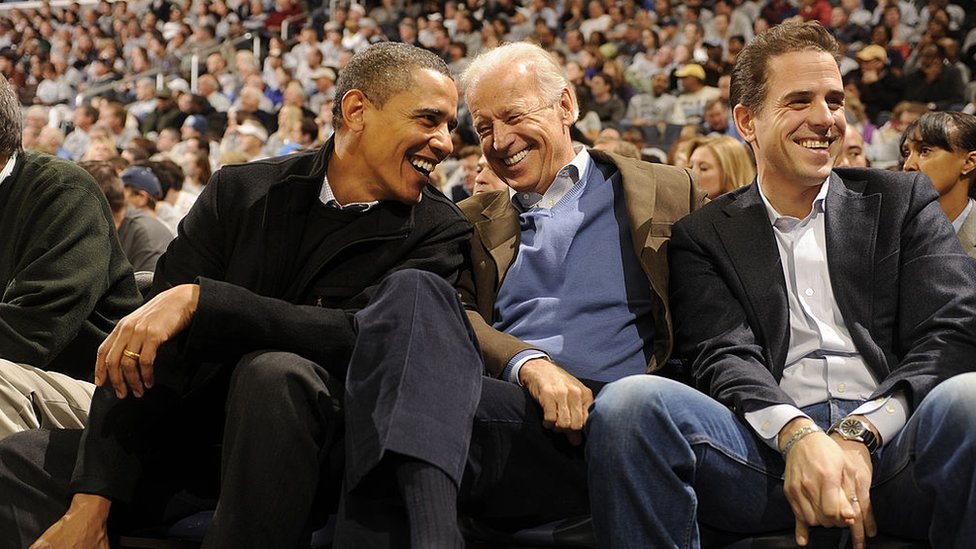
<point x="656" y="197"/>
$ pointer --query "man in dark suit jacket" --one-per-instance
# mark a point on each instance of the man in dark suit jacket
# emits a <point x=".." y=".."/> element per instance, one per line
<point x="295" y="299"/>
<point x="567" y="286"/>
<point x="825" y="315"/>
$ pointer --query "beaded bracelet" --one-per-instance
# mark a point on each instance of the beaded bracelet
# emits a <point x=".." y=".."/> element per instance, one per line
<point x="797" y="435"/>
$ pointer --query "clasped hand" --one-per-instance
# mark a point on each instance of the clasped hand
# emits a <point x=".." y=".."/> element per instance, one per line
<point x="828" y="482"/>
<point x="127" y="355"/>
<point x="564" y="399"/>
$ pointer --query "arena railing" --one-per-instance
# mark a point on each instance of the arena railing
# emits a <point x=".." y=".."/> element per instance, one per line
<point x="160" y="77"/>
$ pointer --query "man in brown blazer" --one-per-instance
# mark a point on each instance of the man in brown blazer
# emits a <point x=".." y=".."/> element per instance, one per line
<point x="566" y="286"/>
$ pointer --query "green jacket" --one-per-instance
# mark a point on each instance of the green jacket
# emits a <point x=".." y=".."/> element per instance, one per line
<point x="64" y="278"/>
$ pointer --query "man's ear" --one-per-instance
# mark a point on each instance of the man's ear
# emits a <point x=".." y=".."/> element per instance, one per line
<point x="566" y="107"/>
<point x="353" y="109"/>
<point x="142" y="198"/>
<point x="744" y="122"/>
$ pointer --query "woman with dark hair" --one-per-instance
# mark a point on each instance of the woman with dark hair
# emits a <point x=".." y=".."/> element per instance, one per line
<point x="942" y="145"/>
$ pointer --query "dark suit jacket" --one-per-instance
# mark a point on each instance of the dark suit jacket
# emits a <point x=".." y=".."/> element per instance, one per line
<point x="656" y="197"/>
<point x="240" y="242"/>
<point x="905" y="289"/>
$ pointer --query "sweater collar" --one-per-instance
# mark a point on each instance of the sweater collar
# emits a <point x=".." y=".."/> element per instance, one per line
<point x="566" y="179"/>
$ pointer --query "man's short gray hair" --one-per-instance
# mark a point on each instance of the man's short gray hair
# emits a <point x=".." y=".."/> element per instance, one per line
<point x="549" y="75"/>
<point x="11" y="120"/>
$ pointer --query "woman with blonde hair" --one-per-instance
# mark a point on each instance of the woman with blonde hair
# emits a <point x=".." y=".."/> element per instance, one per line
<point x="100" y="148"/>
<point x="722" y="163"/>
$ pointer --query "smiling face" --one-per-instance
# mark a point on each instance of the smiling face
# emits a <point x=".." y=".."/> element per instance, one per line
<point x="798" y="133"/>
<point x="524" y="137"/>
<point x="404" y="139"/>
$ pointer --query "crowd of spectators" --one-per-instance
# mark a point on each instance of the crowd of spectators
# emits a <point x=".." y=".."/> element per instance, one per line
<point x="117" y="78"/>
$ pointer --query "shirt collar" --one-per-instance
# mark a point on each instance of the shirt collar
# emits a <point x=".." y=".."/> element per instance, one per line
<point x="785" y="222"/>
<point x="566" y="179"/>
<point x="328" y="198"/>
<point x="961" y="218"/>
<point x="8" y="169"/>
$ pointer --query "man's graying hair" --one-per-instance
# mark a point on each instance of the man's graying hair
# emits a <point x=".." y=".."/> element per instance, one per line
<point x="382" y="71"/>
<point x="750" y="76"/>
<point x="550" y="76"/>
<point x="11" y="120"/>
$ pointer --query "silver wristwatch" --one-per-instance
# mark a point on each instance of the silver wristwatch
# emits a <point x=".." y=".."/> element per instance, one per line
<point x="851" y="428"/>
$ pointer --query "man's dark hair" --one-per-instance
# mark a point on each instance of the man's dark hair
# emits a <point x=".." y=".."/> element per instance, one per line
<point x="310" y="128"/>
<point x="382" y="71"/>
<point x="90" y="112"/>
<point x="11" y="120"/>
<point x="169" y="174"/>
<point x="948" y="130"/>
<point x="463" y="47"/>
<point x="750" y="76"/>
<point x="607" y="79"/>
<point x="469" y="150"/>
<point x="717" y="101"/>
<point x="137" y="152"/>
<point x="108" y="180"/>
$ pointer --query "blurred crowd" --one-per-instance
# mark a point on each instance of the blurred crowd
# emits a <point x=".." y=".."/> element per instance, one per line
<point x="203" y="83"/>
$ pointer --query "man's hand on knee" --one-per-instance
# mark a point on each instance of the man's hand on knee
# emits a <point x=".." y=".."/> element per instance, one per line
<point x="83" y="525"/>
<point x="564" y="399"/>
<point x="127" y="355"/>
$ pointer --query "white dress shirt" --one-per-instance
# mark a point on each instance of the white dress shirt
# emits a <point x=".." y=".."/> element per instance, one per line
<point x="822" y="362"/>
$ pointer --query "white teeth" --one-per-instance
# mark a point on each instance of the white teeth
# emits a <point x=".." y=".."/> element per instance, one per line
<point x="514" y="159"/>
<point x="422" y="165"/>
<point x="814" y="144"/>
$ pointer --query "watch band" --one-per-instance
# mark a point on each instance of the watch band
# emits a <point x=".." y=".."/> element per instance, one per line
<point x="857" y="430"/>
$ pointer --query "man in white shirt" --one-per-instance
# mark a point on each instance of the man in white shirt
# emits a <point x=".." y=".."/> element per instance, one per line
<point x="824" y="314"/>
<point x="689" y="106"/>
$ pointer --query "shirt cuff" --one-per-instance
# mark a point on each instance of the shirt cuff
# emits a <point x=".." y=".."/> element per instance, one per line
<point x="887" y="414"/>
<point x="769" y="421"/>
<point x="511" y="372"/>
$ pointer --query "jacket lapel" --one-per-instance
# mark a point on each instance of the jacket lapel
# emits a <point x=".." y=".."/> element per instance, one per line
<point x="285" y="215"/>
<point x="499" y="231"/>
<point x="640" y="203"/>
<point x="851" y="220"/>
<point x="748" y="238"/>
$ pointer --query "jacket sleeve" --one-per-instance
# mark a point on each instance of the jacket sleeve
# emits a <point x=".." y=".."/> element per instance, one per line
<point x="232" y="320"/>
<point x="478" y="293"/>
<point x="935" y="330"/>
<point x="497" y="348"/>
<point x="60" y="277"/>
<point x="712" y="329"/>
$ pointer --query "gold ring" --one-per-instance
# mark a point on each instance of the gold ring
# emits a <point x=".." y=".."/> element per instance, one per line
<point x="131" y="354"/>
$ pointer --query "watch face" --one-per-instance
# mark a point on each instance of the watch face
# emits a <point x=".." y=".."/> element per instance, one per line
<point x="850" y="427"/>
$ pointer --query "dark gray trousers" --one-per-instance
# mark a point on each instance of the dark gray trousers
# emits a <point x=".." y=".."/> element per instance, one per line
<point x="291" y="428"/>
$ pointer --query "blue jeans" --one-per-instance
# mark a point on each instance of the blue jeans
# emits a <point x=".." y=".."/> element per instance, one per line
<point x="664" y="457"/>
